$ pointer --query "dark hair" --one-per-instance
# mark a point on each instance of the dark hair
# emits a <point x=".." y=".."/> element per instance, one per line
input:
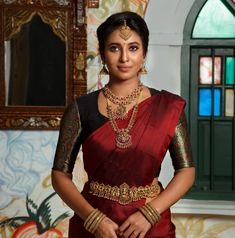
<point x="133" y="20"/>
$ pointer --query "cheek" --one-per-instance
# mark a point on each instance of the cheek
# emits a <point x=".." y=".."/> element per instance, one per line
<point x="110" y="64"/>
<point x="139" y="60"/>
<point x="109" y="60"/>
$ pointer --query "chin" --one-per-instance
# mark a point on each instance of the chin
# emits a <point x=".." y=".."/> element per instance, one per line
<point x="125" y="77"/>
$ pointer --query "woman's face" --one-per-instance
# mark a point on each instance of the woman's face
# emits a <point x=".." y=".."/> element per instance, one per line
<point x="123" y="58"/>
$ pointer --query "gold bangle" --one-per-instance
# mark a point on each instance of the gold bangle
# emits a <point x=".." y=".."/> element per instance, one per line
<point x="89" y="219"/>
<point x="93" y="220"/>
<point x="96" y="223"/>
<point x="147" y="215"/>
<point x="150" y="213"/>
<point x="154" y="212"/>
<point x="89" y="226"/>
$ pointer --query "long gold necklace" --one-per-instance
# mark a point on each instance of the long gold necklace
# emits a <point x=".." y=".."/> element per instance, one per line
<point x="123" y="136"/>
<point x="121" y="101"/>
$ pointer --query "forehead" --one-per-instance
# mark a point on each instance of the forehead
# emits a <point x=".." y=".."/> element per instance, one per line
<point x="115" y="37"/>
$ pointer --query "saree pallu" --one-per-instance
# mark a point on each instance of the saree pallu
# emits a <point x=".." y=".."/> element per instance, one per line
<point x="136" y="166"/>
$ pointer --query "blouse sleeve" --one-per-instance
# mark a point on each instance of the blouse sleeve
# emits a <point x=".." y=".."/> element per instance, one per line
<point x="180" y="146"/>
<point x="68" y="144"/>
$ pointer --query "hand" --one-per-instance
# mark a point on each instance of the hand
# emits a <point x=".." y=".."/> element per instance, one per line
<point x="107" y="229"/>
<point x="136" y="225"/>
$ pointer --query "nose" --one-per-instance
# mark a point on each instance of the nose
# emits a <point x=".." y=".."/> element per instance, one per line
<point x="124" y="56"/>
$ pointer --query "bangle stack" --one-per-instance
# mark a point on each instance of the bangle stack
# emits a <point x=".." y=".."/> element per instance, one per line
<point x="93" y="220"/>
<point x="150" y="213"/>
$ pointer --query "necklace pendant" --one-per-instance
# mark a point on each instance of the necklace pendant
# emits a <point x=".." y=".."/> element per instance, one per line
<point x="120" y="112"/>
<point x="123" y="140"/>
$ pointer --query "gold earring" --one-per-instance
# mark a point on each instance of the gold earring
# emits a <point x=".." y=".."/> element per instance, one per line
<point x="104" y="70"/>
<point x="143" y="70"/>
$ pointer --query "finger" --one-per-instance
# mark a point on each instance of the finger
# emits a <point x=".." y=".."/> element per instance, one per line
<point x="115" y="227"/>
<point x="142" y="234"/>
<point x="128" y="232"/>
<point x="120" y="233"/>
<point x="117" y="231"/>
<point x="124" y="226"/>
<point x="134" y="234"/>
<point x="114" y="235"/>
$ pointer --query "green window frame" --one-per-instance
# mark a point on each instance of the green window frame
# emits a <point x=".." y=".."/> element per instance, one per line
<point x="213" y="134"/>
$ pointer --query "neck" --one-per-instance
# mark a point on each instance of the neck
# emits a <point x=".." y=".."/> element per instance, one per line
<point x="123" y="88"/>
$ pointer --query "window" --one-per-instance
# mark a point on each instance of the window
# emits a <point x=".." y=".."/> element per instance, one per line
<point x="208" y="66"/>
<point x="214" y="21"/>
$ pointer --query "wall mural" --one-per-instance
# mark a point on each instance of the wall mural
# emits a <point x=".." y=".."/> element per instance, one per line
<point x="28" y="204"/>
<point x="29" y="208"/>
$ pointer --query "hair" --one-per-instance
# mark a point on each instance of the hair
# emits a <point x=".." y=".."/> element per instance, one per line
<point x="133" y="20"/>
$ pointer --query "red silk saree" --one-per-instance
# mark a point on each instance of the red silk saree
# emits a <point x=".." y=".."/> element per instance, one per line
<point x="137" y="166"/>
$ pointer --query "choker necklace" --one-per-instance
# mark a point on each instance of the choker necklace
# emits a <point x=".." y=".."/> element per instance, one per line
<point x="121" y="101"/>
<point x="123" y="137"/>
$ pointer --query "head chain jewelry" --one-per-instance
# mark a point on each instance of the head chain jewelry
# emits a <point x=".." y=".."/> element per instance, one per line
<point x="125" y="31"/>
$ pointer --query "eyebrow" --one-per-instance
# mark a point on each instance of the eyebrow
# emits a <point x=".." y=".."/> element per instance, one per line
<point x="130" y="43"/>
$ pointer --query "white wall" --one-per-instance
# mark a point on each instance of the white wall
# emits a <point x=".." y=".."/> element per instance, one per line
<point x="166" y="24"/>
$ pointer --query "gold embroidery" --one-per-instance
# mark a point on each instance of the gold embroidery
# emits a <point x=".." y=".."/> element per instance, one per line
<point x="124" y="194"/>
<point x="180" y="147"/>
<point x="69" y="132"/>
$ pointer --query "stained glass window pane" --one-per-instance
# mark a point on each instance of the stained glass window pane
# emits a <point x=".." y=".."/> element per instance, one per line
<point x="206" y="70"/>
<point x="214" y="21"/>
<point x="205" y="101"/>
<point x="217" y="97"/>
<point x="229" y="102"/>
<point x="230" y="70"/>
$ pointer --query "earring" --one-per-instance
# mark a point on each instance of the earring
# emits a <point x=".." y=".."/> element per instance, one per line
<point x="104" y="70"/>
<point x="143" y="70"/>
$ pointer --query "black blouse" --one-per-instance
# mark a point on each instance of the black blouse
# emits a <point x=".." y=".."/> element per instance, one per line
<point x="82" y="117"/>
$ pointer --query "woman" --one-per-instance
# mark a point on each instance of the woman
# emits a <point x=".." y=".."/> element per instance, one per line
<point x="125" y="129"/>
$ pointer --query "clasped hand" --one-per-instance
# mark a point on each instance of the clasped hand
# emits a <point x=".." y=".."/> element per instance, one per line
<point x="135" y="225"/>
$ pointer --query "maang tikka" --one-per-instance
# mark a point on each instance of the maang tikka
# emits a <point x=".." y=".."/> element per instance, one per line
<point x="125" y="31"/>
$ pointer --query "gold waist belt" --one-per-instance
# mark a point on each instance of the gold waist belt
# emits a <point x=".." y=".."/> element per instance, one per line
<point x="123" y="194"/>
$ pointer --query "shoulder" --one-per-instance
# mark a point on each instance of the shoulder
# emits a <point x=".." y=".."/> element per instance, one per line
<point x="171" y="97"/>
<point x="166" y="95"/>
<point x="87" y="101"/>
<point x="153" y="91"/>
<point x="87" y="98"/>
<point x="80" y="103"/>
<point x="87" y="104"/>
<point x="167" y="100"/>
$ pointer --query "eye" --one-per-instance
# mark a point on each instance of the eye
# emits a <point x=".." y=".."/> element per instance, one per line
<point x="113" y="48"/>
<point x="133" y="48"/>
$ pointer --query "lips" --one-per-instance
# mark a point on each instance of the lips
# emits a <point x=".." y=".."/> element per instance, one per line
<point x="124" y="68"/>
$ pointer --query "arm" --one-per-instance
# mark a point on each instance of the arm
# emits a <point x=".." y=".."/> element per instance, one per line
<point x="181" y="154"/>
<point x="180" y="150"/>
<point x="66" y="189"/>
<point x="65" y="156"/>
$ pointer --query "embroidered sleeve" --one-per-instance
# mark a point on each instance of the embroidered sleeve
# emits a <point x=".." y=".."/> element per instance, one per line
<point x="68" y="146"/>
<point x="180" y="147"/>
